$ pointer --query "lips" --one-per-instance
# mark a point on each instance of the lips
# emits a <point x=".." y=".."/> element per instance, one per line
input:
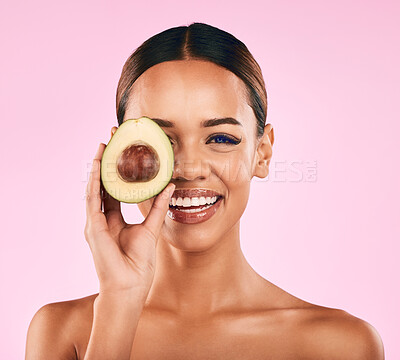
<point x="194" y="214"/>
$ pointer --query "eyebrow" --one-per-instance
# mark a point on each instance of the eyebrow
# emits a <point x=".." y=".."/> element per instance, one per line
<point x="205" y="123"/>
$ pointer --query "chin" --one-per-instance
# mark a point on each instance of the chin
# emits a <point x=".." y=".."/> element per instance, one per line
<point x="191" y="238"/>
<point x="192" y="245"/>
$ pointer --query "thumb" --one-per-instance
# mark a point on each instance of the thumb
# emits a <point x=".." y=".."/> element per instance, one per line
<point x="156" y="216"/>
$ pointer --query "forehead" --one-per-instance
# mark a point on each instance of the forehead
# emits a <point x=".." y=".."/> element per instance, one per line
<point x="188" y="89"/>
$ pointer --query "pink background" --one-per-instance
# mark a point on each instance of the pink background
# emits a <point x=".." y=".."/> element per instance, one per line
<point x="332" y="75"/>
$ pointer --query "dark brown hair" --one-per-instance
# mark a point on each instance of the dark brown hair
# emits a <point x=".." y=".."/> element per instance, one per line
<point x="197" y="41"/>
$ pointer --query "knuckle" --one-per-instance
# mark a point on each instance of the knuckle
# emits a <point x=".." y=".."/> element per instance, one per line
<point x="157" y="205"/>
<point x="92" y="196"/>
<point x="87" y="231"/>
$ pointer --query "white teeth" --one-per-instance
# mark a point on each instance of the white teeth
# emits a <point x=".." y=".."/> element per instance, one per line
<point x="195" y="210"/>
<point x="186" y="202"/>
<point x="195" y="201"/>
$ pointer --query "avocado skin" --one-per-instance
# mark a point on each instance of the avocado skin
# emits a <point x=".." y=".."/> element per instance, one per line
<point x="141" y="191"/>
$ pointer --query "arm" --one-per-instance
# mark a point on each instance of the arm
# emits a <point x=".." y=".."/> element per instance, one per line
<point x="115" y="318"/>
<point x="363" y="342"/>
<point x="48" y="337"/>
<point x="124" y="257"/>
<point x="343" y="337"/>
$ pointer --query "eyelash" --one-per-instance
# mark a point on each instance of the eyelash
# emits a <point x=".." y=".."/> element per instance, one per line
<point x="230" y="139"/>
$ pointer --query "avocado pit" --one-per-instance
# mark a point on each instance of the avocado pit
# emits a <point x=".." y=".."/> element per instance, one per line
<point x="139" y="162"/>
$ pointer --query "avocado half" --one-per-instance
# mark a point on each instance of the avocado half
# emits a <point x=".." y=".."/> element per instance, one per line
<point x="138" y="161"/>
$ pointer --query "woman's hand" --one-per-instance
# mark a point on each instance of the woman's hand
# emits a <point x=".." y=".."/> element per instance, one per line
<point x="124" y="254"/>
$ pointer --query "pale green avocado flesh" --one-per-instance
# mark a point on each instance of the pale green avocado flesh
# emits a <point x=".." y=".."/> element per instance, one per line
<point x="138" y="162"/>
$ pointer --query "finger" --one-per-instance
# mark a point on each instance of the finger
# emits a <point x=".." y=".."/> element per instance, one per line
<point x="112" y="209"/>
<point x="156" y="216"/>
<point x="93" y="195"/>
<point x="110" y="204"/>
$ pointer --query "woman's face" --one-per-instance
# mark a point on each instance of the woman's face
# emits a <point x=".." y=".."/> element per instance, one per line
<point x="222" y="158"/>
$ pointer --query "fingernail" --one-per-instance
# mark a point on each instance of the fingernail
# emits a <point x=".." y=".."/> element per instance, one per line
<point x="171" y="190"/>
<point x="98" y="149"/>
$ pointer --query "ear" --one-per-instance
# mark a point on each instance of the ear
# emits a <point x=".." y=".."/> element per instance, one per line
<point x="264" y="152"/>
<point x="113" y="130"/>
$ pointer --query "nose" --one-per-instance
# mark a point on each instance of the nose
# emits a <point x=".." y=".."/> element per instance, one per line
<point x="189" y="164"/>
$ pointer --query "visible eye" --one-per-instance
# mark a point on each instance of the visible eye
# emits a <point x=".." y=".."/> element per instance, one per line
<point x="170" y="140"/>
<point x="224" y="139"/>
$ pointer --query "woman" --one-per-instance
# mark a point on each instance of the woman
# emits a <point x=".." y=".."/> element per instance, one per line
<point x="177" y="286"/>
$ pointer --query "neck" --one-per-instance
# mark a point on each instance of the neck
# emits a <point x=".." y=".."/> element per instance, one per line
<point x="195" y="283"/>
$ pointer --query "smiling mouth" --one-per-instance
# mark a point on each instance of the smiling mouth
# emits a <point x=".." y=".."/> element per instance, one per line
<point x="194" y="205"/>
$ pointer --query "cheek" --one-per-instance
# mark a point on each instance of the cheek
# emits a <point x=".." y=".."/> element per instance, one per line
<point x="235" y="170"/>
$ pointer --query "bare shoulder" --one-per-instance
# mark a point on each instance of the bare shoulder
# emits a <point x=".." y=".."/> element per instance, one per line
<point x="329" y="333"/>
<point x="56" y="329"/>
<point x="312" y="331"/>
